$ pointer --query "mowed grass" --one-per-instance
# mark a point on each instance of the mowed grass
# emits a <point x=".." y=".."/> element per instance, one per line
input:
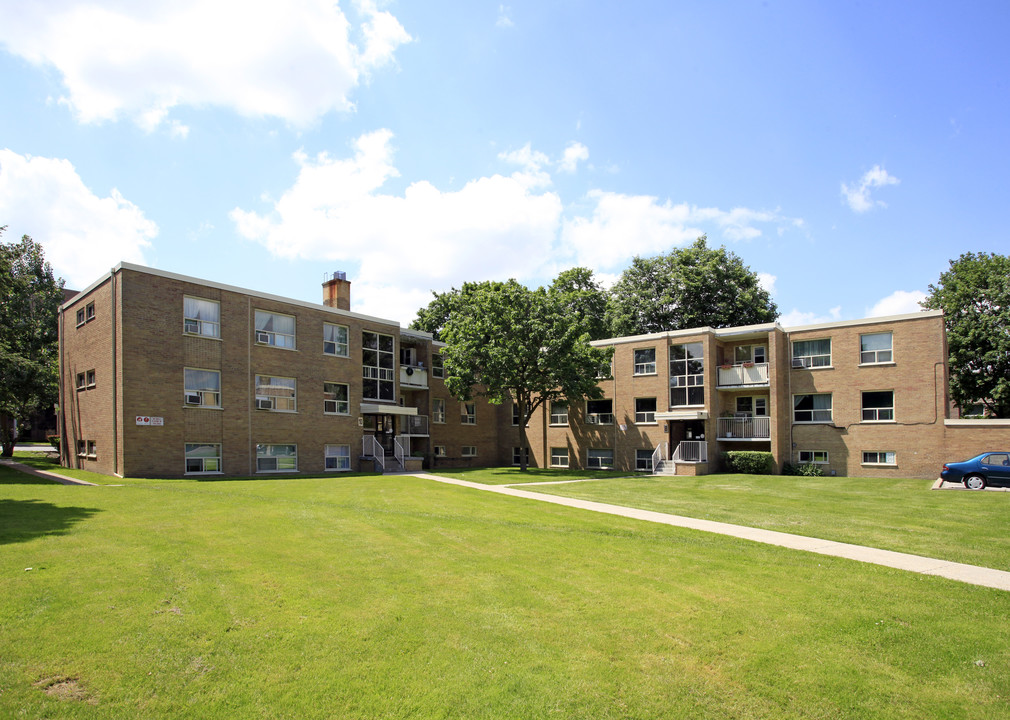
<point x="396" y="597"/>
<point x="513" y="476"/>
<point x="893" y="514"/>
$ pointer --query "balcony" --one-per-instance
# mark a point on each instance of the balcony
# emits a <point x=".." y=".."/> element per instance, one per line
<point x="413" y="377"/>
<point x="743" y="375"/>
<point x="744" y="428"/>
<point x="414" y="425"/>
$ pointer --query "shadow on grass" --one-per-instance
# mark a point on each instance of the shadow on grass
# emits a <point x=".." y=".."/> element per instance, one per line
<point x="24" y="520"/>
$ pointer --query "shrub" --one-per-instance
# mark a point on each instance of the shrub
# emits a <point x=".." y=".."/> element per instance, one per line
<point x="54" y="440"/>
<point x="748" y="462"/>
<point x="806" y="469"/>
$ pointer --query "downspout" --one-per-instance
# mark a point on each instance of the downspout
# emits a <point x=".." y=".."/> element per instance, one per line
<point x="115" y="377"/>
<point x="64" y="456"/>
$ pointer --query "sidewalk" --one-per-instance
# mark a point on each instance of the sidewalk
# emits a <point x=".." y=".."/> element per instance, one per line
<point x="985" y="577"/>
<point x="28" y="470"/>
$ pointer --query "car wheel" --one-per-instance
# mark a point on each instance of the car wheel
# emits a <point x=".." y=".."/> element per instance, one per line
<point x="974" y="482"/>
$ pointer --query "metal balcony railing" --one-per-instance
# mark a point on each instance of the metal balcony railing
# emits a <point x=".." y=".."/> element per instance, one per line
<point x="744" y="374"/>
<point x="691" y="451"/>
<point x="745" y="428"/>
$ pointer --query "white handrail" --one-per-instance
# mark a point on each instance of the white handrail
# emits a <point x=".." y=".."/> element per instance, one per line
<point x="399" y="453"/>
<point x="691" y="451"/>
<point x="369" y="445"/>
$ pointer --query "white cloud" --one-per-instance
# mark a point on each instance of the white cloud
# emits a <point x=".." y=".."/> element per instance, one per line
<point x="858" y="196"/>
<point x="83" y="234"/>
<point x="767" y="282"/>
<point x="899" y="302"/>
<point x="504" y="21"/>
<point x="574" y="153"/>
<point x="796" y="318"/>
<point x="295" y="60"/>
<point x="532" y="163"/>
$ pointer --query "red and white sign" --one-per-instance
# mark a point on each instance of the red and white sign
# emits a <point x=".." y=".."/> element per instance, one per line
<point x="148" y="420"/>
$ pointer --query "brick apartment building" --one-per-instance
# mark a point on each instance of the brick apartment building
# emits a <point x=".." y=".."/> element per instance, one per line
<point x="164" y="375"/>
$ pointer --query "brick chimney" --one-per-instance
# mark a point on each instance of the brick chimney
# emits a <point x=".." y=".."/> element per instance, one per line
<point x="337" y="291"/>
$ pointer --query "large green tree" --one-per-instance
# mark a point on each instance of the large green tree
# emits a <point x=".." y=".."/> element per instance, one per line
<point x="695" y="286"/>
<point x="583" y="300"/>
<point x="30" y="298"/>
<point x="507" y="342"/>
<point x="974" y="295"/>
<point x="432" y="317"/>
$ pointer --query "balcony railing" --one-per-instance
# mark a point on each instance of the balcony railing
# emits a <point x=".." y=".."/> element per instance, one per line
<point x="746" y="428"/>
<point x="413" y="376"/>
<point x="416" y="425"/>
<point x="691" y="451"/>
<point x="746" y="374"/>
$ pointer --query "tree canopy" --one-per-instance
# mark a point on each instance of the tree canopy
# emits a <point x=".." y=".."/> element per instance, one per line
<point x="507" y="342"/>
<point x="974" y="295"/>
<point x="30" y="298"/>
<point x="582" y="300"/>
<point x="696" y="286"/>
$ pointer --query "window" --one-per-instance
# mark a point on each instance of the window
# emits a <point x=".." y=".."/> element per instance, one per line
<point x="336" y="399"/>
<point x="600" y="412"/>
<point x="875" y="348"/>
<point x="600" y="459"/>
<point x="812" y="353"/>
<point x="559" y="412"/>
<point x="86" y="380"/>
<point x="439" y="451"/>
<point x="515" y="414"/>
<point x="645" y="410"/>
<point x="643" y="460"/>
<point x="335" y="340"/>
<point x="377" y="366"/>
<point x="91" y="379"/>
<point x="606" y="369"/>
<point x="438" y="410"/>
<point x="998" y="459"/>
<point x="203" y="458"/>
<point x="469" y="451"/>
<point x="687" y="375"/>
<point x="201" y="317"/>
<point x="878" y="406"/>
<point x="275" y="393"/>
<point x="80" y="317"/>
<point x="276" y="458"/>
<point x="559" y="457"/>
<point x="749" y="406"/>
<point x="337" y="457"/>
<point x="274" y="329"/>
<point x="819" y="457"/>
<point x="202" y="387"/>
<point x="82" y="448"/>
<point x="468" y="413"/>
<point x="749" y="353"/>
<point x="86" y="314"/>
<point x="81" y="384"/>
<point x="879" y="458"/>
<point x="437" y="369"/>
<point x="812" y="408"/>
<point x="516" y="456"/>
<point x="645" y="361"/>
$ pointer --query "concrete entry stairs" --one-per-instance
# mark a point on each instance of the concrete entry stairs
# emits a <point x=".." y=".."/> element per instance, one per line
<point x="689" y="458"/>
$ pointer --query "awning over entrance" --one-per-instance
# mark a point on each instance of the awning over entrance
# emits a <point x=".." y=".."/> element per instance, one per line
<point x="383" y="409"/>
<point x="683" y="415"/>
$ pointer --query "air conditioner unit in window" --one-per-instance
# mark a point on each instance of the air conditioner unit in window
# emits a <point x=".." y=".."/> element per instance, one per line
<point x="194" y="398"/>
<point x="192" y="326"/>
<point x="330" y="348"/>
<point x="264" y="403"/>
<point x="592" y="419"/>
<point x="798" y="363"/>
<point x="262" y="337"/>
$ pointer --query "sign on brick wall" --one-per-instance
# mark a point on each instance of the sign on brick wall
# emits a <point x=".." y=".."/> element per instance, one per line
<point x="148" y="420"/>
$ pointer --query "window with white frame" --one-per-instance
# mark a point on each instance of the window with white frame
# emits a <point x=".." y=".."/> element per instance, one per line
<point x="559" y="412"/>
<point x="438" y="451"/>
<point x="643" y="460"/>
<point x="812" y="353"/>
<point x="875" y="348"/>
<point x="335" y="340"/>
<point x="275" y="393"/>
<point x="202" y="387"/>
<point x="337" y="458"/>
<point x="645" y="361"/>
<point x="749" y="353"/>
<point x="437" y="368"/>
<point x="645" y="410"/>
<point x="469" y="451"/>
<point x="559" y="457"/>
<point x="600" y="459"/>
<point x="879" y="458"/>
<point x="752" y="405"/>
<point x="276" y="458"/>
<point x="377" y="363"/>
<point x="812" y="408"/>
<point x="687" y="375"/>
<point x="87" y="449"/>
<point x="438" y="410"/>
<point x="468" y="413"/>
<point x="878" y="406"/>
<point x="275" y="329"/>
<point x="516" y="455"/>
<point x="336" y="399"/>
<point x="201" y="317"/>
<point x="600" y="412"/>
<point x="817" y="457"/>
<point x="203" y="458"/>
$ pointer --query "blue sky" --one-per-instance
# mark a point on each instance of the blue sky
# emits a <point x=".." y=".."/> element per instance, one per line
<point x="846" y="151"/>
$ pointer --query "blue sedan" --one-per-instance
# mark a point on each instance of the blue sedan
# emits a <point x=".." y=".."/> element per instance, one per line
<point x="979" y="471"/>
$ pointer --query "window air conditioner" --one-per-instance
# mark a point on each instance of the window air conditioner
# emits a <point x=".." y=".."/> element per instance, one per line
<point x="192" y="326"/>
<point x="330" y="348"/>
<point x="262" y="337"/>
<point x="194" y="398"/>
<point x="264" y="403"/>
<point x="798" y="363"/>
<point x="591" y="419"/>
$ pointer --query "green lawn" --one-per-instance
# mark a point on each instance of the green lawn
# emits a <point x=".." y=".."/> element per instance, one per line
<point x="512" y="475"/>
<point x="902" y="515"/>
<point x="396" y="597"/>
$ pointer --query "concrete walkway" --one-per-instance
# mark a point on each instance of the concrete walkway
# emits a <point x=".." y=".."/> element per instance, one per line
<point x="971" y="574"/>
<point x="28" y="470"/>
